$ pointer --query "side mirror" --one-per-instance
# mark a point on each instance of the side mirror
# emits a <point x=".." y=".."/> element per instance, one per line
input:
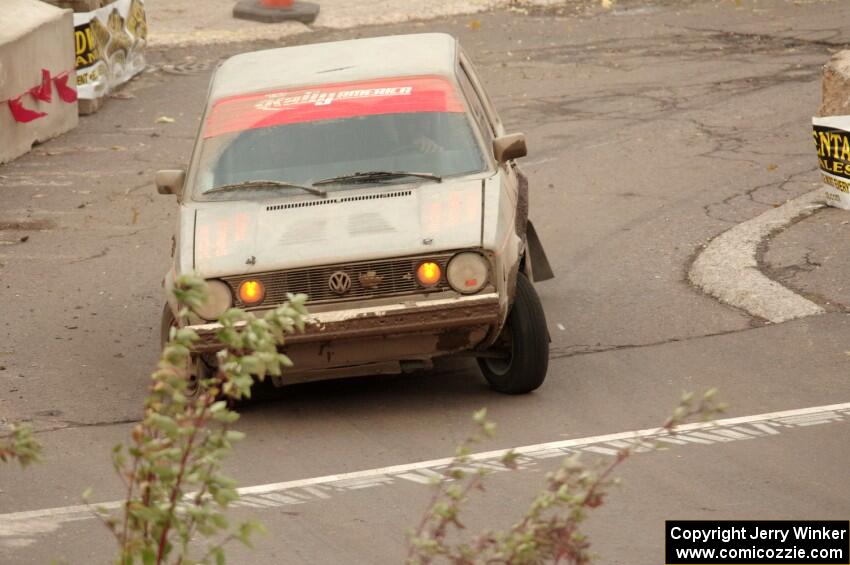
<point x="170" y="181"/>
<point x="509" y="147"/>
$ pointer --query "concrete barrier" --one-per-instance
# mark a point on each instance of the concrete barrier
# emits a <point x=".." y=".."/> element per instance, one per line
<point x="34" y="51"/>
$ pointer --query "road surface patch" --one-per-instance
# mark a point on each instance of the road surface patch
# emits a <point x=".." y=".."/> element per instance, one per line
<point x="728" y="270"/>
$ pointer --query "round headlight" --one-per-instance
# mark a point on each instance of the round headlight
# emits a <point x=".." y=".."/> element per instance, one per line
<point x="218" y="301"/>
<point x="467" y="272"/>
<point x="251" y="292"/>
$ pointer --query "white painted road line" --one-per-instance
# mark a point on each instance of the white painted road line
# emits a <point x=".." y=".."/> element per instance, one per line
<point x="22" y="527"/>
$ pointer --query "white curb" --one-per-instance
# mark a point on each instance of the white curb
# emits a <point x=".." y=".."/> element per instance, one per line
<point x="728" y="268"/>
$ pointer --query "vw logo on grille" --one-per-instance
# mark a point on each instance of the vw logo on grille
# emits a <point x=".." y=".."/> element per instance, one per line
<point x="340" y="282"/>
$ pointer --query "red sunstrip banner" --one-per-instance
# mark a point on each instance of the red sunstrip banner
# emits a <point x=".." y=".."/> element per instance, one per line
<point x="332" y="101"/>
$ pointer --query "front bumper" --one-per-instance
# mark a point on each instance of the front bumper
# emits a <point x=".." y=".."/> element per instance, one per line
<point x="368" y="325"/>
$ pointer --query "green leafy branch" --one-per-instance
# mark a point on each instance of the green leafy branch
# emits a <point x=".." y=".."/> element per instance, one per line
<point x="171" y="469"/>
<point x="20" y="446"/>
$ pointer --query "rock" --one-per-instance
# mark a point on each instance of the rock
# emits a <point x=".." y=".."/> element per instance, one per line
<point x="836" y="86"/>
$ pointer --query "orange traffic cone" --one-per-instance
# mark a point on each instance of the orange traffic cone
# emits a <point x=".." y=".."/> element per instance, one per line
<point x="273" y="11"/>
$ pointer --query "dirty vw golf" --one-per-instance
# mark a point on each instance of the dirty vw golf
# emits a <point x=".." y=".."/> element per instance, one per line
<point x="375" y="176"/>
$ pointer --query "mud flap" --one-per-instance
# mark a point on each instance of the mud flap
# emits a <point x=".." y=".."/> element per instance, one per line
<point x="537" y="266"/>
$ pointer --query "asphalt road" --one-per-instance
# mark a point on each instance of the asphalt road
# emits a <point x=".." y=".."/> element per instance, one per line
<point x="651" y="129"/>
<point x="810" y="258"/>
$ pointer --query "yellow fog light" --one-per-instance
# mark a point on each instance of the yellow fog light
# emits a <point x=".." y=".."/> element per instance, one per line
<point x="429" y="273"/>
<point x="251" y="292"/>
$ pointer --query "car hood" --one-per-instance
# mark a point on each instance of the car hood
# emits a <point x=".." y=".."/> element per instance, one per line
<point x="240" y="237"/>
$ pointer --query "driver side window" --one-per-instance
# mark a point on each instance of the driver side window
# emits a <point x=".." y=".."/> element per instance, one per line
<point x="475" y="106"/>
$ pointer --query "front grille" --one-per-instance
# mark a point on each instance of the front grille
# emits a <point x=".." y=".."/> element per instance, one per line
<point x="399" y="278"/>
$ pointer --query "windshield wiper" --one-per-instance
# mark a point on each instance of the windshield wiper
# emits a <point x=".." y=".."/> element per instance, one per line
<point x="258" y="184"/>
<point x="377" y="175"/>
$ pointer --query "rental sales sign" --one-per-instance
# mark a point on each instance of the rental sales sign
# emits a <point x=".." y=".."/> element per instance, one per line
<point x="832" y="142"/>
<point x="109" y="44"/>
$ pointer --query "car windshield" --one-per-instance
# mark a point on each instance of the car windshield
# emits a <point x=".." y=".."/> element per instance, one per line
<point x="415" y="125"/>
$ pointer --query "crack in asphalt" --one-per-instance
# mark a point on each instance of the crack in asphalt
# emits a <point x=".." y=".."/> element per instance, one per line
<point x="790" y="271"/>
<point x="661" y="102"/>
<point x="786" y="275"/>
<point x="98" y="255"/>
<point x="643" y="104"/>
<point x="564" y="352"/>
<point x="68" y="424"/>
<point x="153" y="133"/>
<point x="750" y="194"/>
<point x="794" y="41"/>
<point x="72" y="425"/>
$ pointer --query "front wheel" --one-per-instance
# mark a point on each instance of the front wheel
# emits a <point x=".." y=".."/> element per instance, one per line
<point x="518" y="360"/>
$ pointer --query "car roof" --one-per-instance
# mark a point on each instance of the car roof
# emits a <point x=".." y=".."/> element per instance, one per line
<point x="336" y="62"/>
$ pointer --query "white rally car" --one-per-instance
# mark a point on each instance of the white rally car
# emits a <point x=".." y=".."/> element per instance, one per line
<point x="375" y="176"/>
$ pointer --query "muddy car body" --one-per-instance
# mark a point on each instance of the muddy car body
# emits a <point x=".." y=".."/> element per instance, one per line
<point x="375" y="176"/>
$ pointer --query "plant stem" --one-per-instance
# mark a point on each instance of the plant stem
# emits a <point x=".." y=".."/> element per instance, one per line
<point x="124" y="530"/>
<point x="175" y="490"/>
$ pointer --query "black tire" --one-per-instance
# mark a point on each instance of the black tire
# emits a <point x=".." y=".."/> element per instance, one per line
<point x="524" y="341"/>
